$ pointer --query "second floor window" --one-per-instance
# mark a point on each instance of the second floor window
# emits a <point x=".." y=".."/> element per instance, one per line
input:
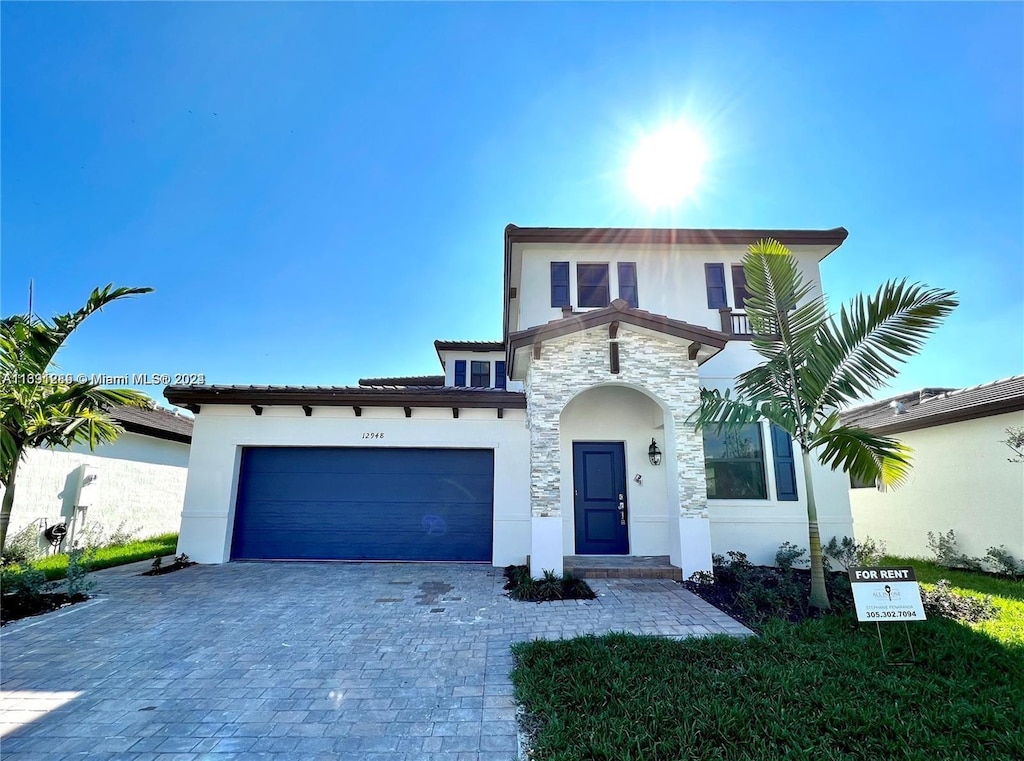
<point x="592" y="284"/>
<point x="739" y="286"/>
<point x="480" y="374"/>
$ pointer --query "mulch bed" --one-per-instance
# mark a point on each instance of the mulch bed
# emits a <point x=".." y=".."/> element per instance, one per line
<point x="14" y="608"/>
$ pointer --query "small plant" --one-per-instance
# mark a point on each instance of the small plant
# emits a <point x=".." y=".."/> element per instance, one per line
<point x="846" y="552"/>
<point x="737" y="569"/>
<point x="79" y="564"/>
<point x="157" y="562"/>
<point x="183" y="559"/>
<point x="702" y="577"/>
<point x="943" y="601"/>
<point x="1005" y="563"/>
<point x="22" y="586"/>
<point x="789" y="555"/>
<point x="522" y="586"/>
<point x="22" y="548"/>
<point x="947" y="553"/>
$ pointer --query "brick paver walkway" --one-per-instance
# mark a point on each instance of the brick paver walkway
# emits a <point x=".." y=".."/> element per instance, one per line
<point x="297" y="661"/>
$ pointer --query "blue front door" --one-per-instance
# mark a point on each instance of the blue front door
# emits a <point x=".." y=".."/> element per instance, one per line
<point x="599" y="483"/>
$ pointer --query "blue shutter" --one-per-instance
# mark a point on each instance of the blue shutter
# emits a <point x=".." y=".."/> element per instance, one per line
<point x="499" y="374"/>
<point x="785" y="471"/>
<point x="627" y="284"/>
<point x="460" y="372"/>
<point x="560" y="284"/>
<point x="714" y="276"/>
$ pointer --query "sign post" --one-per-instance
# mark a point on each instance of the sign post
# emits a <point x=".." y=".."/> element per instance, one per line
<point x="887" y="595"/>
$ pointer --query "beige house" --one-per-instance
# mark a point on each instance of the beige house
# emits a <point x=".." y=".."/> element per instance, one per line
<point x="962" y="478"/>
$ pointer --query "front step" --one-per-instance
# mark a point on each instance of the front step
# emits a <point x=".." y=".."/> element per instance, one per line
<point x="622" y="567"/>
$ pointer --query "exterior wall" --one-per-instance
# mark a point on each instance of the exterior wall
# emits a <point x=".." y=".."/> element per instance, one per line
<point x="139" y="497"/>
<point x="670" y="279"/>
<point x="134" y="446"/>
<point x="221" y="432"/>
<point x="649" y="364"/>
<point x="469" y="356"/>
<point x="961" y="480"/>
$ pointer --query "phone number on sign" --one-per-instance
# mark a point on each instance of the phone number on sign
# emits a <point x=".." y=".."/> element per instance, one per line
<point x="891" y="614"/>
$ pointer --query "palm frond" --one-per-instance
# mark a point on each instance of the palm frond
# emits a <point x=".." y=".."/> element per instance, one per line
<point x="864" y="455"/>
<point x="860" y="351"/>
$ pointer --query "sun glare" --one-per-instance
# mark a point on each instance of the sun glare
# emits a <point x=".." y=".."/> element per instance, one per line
<point x="666" y="167"/>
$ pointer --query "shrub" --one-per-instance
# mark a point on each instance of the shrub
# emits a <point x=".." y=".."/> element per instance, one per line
<point x="737" y="569"/>
<point x="22" y="548"/>
<point x="942" y="601"/>
<point x="1005" y="563"/>
<point x="702" y="577"/>
<point x="947" y="553"/>
<point x="22" y="586"/>
<point x="79" y="564"/>
<point x="522" y="586"/>
<point x="847" y="552"/>
<point x="788" y="555"/>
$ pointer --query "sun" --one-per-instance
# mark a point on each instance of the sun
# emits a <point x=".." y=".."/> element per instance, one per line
<point x="666" y="167"/>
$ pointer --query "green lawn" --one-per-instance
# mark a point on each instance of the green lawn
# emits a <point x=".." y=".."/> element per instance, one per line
<point x="817" y="690"/>
<point x="55" y="566"/>
<point x="1007" y="595"/>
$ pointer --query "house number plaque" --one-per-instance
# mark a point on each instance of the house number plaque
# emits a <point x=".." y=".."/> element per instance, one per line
<point x="373" y="435"/>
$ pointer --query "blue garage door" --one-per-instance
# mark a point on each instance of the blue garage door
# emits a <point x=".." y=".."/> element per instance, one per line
<point x="326" y="503"/>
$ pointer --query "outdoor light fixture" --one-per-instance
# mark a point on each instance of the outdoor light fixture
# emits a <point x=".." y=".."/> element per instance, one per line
<point x="654" y="453"/>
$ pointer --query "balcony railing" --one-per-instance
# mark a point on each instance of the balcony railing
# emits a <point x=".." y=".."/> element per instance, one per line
<point x="735" y="324"/>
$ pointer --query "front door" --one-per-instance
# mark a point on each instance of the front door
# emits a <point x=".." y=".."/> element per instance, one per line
<point x="599" y="483"/>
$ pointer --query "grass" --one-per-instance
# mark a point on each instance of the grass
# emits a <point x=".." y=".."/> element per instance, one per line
<point x="1007" y="595"/>
<point x="818" y="689"/>
<point x="55" y="566"/>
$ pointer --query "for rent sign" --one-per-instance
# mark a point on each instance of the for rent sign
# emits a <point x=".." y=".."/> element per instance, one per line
<point x="886" y="594"/>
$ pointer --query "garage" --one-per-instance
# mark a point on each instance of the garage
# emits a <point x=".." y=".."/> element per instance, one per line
<point x="345" y="503"/>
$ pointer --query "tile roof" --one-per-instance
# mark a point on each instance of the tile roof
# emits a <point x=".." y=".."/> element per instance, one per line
<point x="412" y="380"/>
<point x="154" y="421"/>
<point x="340" y="396"/>
<point x="928" y="407"/>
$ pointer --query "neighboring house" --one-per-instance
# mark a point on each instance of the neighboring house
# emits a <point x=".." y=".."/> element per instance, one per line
<point x="135" y="484"/>
<point x="569" y="436"/>
<point x="961" y="477"/>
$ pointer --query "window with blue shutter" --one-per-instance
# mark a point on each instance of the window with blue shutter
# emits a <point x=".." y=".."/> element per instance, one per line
<point x="460" y="372"/>
<point x="499" y="374"/>
<point x="560" y="284"/>
<point x="714" y="276"/>
<point x="785" y="469"/>
<point x="627" y="284"/>
<point x="479" y="374"/>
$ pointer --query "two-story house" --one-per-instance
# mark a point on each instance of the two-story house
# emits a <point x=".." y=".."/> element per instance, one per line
<point x="571" y="436"/>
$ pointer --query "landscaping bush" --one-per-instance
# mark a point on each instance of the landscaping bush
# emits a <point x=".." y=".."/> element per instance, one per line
<point x="522" y="586"/>
<point x="23" y="547"/>
<point x="941" y="600"/>
<point x="846" y="552"/>
<point x="947" y="553"/>
<point x="79" y="565"/>
<point x="1004" y="563"/>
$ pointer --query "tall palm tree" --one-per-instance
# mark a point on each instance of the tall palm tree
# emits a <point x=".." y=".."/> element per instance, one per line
<point x="812" y="364"/>
<point x="38" y="407"/>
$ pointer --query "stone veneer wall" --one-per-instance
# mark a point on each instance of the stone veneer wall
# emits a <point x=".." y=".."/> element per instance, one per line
<point x="579" y="361"/>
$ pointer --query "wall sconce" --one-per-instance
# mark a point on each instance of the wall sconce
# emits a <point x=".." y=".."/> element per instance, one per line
<point x="654" y="453"/>
<point x="639" y="479"/>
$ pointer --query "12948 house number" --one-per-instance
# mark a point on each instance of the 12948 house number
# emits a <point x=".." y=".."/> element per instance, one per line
<point x="373" y="435"/>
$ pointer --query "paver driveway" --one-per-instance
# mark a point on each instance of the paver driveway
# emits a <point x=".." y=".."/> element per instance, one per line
<point x="299" y="661"/>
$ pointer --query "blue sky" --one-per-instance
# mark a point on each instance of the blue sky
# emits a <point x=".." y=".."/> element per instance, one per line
<point x="318" y="191"/>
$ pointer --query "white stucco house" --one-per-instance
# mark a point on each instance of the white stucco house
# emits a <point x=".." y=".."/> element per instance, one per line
<point x="135" y="484"/>
<point x="568" y="436"/>
<point x="962" y="477"/>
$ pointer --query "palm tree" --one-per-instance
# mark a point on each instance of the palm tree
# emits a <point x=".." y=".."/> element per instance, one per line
<point x="41" y="408"/>
<point x="813" y="364"/>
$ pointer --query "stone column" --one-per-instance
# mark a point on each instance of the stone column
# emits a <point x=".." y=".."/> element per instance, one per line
<point x="545" y="476"/>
